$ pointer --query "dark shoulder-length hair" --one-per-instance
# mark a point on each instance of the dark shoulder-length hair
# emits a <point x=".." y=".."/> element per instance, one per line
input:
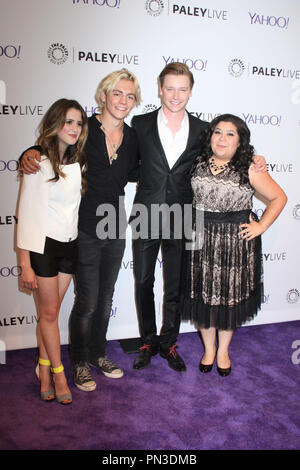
<point x="243" y="157"/>
<point x="52" y="122"/>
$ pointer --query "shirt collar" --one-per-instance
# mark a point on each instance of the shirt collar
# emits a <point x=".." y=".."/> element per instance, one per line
<point x="162" y="119"/>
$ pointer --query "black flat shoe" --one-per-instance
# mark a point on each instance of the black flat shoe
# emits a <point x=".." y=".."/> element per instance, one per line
<point x="224" y="372"/>
<point x="205" y="367"/>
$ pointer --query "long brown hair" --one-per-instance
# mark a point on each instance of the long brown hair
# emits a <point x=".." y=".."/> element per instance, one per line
<point x="52" y="122"/>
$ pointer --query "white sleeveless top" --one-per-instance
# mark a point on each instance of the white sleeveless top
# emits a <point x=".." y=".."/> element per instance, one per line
<point x="63" y="204"/>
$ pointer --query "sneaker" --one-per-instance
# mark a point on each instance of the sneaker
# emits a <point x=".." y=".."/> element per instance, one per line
<point x="107" y="367"/>
<point x="82" y="377"/>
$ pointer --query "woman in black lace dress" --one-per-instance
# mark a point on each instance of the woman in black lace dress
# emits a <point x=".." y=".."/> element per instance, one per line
<point x="222" y="278"/>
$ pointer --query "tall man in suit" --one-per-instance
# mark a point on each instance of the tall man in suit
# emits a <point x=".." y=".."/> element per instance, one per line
<point x="169" y="141"/>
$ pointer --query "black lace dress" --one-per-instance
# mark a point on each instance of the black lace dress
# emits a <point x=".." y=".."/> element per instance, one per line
<point x="222" y="273"/>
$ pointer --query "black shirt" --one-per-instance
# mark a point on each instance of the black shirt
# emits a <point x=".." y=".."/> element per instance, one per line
<point x="105" y="181"/>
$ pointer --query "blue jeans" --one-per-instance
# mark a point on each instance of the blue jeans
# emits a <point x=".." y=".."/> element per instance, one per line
<point x="98" y="266"/>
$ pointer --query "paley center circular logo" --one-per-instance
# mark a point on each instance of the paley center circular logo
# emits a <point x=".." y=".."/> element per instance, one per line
<point x="154" y="7"/>
<point x="296" y="211"/>
<point x="149" y="108"/>
<point x="57" y="53"/>
<point x="292" y="296"/>
<point x="236" y="67"/>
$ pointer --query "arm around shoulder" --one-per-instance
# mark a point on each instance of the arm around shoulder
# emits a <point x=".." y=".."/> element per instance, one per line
<point x="259" y="164"/>
<point x="29" y="160"/>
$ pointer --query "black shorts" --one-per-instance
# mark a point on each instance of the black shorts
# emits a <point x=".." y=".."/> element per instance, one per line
<point x="58" y="257"/>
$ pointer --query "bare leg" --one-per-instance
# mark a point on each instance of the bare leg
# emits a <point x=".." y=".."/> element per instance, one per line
<point x="209" y="340"/>
<point x="50" y="294"/>
<point x="44" y="371"/>
<point x="223" y="359"/>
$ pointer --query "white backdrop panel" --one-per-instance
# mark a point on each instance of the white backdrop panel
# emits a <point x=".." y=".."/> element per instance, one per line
<point x="245" y="60"/>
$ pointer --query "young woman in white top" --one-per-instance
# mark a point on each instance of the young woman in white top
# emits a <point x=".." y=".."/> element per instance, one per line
<point x="47" y="232"/>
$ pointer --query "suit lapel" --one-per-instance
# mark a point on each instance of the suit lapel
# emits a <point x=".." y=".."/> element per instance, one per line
<point x="156" y="139"/>
<point x="191" y="137"/>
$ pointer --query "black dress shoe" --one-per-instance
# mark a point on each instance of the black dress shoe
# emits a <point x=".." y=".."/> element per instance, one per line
<point x="174" y="360"/>
<point x="144" y="357"/>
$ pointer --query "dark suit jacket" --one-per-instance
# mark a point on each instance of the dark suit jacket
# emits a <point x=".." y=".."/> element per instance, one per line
<point x="158" y="183"/>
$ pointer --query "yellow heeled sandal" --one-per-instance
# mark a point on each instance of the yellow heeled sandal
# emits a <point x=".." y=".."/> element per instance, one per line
<point x="48" y="395"/>
<point x="66" y="398"/>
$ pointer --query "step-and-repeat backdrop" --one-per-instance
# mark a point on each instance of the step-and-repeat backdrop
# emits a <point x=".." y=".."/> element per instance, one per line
<point x="245" y="60"/>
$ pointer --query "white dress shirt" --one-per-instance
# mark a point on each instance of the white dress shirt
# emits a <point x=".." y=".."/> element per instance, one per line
<point x="173" y="146"/>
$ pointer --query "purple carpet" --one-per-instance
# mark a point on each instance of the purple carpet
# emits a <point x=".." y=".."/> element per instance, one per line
<point x="257" y="407"/>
